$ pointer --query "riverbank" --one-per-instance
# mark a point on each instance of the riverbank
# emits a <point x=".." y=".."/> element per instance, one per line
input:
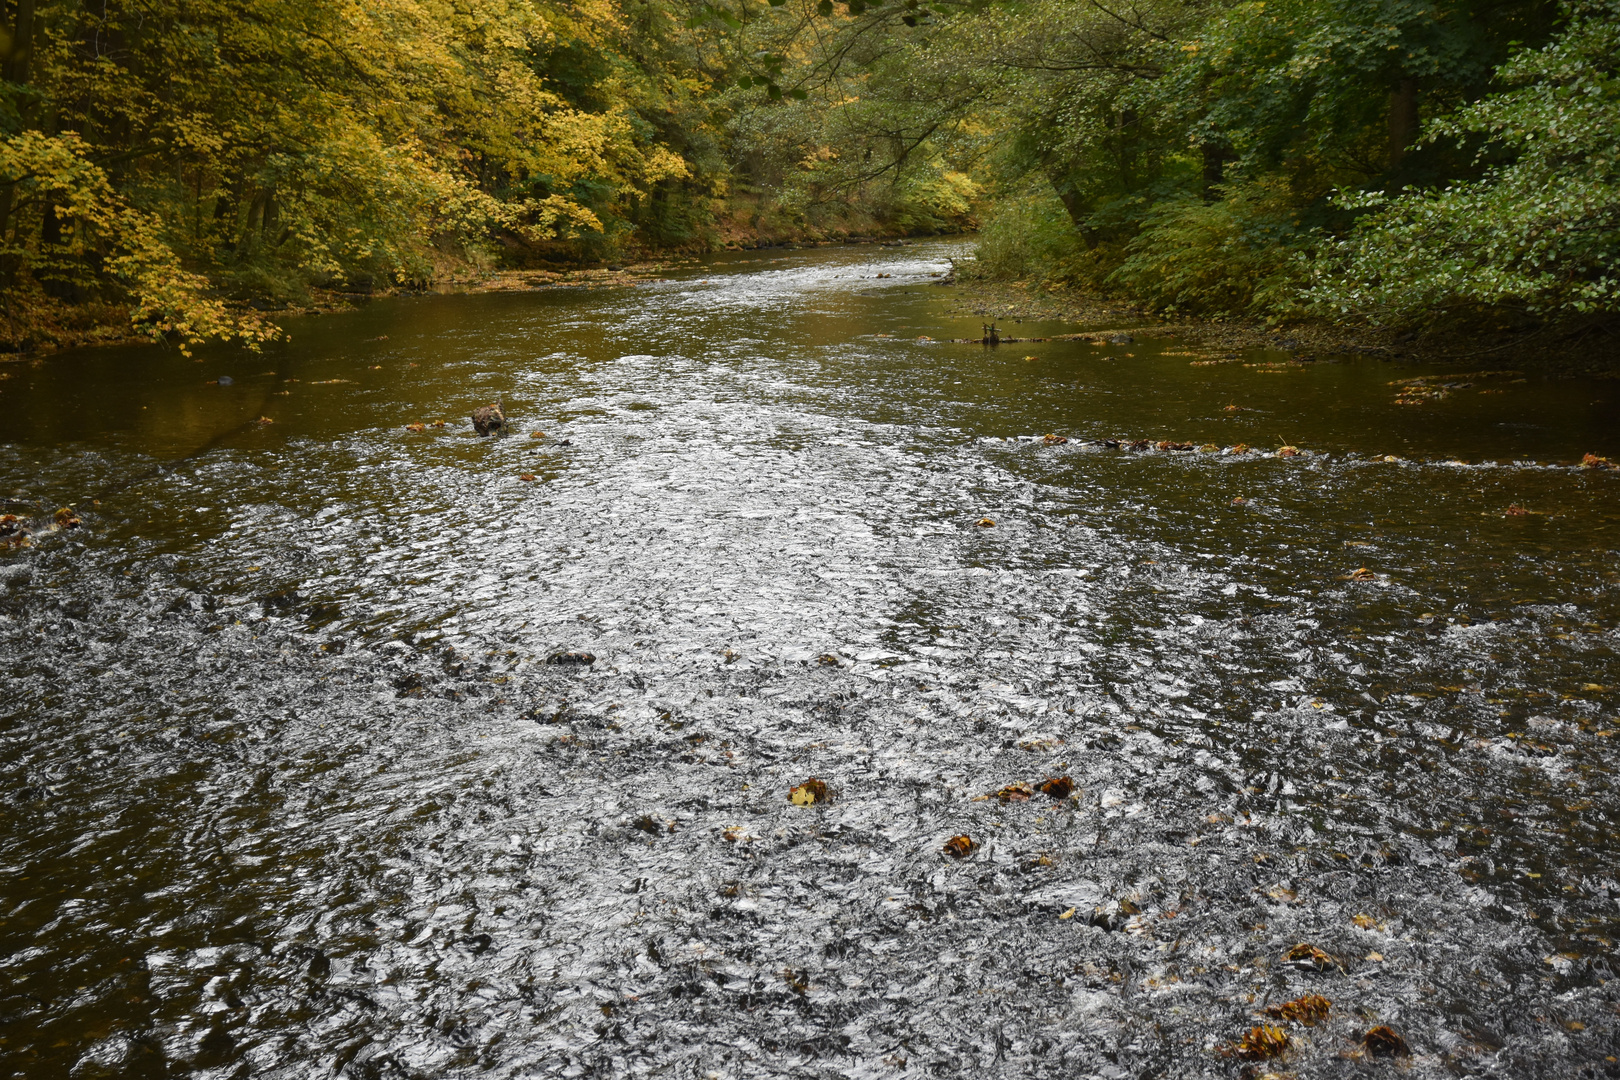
<point x="1591" y="349"/>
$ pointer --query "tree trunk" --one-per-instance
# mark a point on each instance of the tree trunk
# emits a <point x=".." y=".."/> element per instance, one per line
<point x="1215" y="156"/>
<point x="16" y="70"/>
<point x="1403" y="120"/>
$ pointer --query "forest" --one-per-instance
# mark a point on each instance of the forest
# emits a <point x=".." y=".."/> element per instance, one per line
<point x="181" y="169"/>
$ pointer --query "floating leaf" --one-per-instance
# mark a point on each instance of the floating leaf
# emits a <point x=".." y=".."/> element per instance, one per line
<point x="959" y="847"/>
<point x="265" y="420"/>
<point x="416" y="427"/>
<point x="1015" y="793"/>
<point x="1053" y="440"/>
<point x="827" y="660"/>
<point x="1365" y="922"/>
<point x="1515" y="510"/>
<point x="1241" y="448"/>
<point x="1309" y="956"/>
<point x="537" y="434"/>
<point x="1308" y="1010"/>
<point x="1383" y="1041"/>
<point x="985" y="523"/>
<point x="527" y="477"/>
<point x="1363" y="574"/>
<point x="1592" y="461"/>
<point x="809" y="793"/>
<point x="1263" y="1042"/>
<point x="1058" y="787"/>
<point x="64" y="518"/>
<point x="1288" y="451"/>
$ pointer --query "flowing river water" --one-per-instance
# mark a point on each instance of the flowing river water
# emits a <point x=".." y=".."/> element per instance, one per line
<point x="298" y="780"/>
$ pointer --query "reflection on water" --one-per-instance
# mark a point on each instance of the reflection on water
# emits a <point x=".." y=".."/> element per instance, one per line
<point x="291" y="788"/>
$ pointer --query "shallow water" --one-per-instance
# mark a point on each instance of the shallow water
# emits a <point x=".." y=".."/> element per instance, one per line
<point x="291" y="790"/>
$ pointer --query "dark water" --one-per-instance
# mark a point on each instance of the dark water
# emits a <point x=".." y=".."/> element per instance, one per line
<point x="291" y="791"/>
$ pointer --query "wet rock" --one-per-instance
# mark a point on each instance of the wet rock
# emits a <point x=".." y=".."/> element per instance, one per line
<point x="488" y="418"/>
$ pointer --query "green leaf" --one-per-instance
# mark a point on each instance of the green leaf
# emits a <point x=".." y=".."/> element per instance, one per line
<point x="774" y="92"/>
<point x="797" y="95"/>
<point x="744" y="82"/>
<point x="857" y="7"/>
<point x="824" y="8"/>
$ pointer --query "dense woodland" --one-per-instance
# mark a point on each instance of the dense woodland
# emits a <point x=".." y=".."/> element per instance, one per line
<point x="181" y="166"/>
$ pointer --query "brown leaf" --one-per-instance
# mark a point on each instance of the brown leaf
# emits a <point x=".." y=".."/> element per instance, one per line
<point x="1592" y="461"/>
<point x="415" y="427"/>
<point x="959" y="847"/>
<point x="1241" y="448"/>
<point x="1383" y="1041"/>
<point x="1309" y="956"/>
<point x="1015" y="793"/>
<point x="809" y="793"/>
<point x="537" y="434"/>
<point x="528" y="476"/>
<point x="1307" y="1010"/>
<point x="1053" y="440"/>
<point x="1259" y="1043"/>
<point x="985" y="523"/>
<point x="1058" y="787"/>
<point x="1515" y="510"/>
<point x="265" y="420"/>
<point x="1288" y="451"/>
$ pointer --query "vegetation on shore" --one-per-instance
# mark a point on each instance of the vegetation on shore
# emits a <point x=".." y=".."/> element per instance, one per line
<point x="184" y="166"/>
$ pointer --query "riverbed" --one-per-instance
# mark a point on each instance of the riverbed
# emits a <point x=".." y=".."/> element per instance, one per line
<point x="332" y="747"/>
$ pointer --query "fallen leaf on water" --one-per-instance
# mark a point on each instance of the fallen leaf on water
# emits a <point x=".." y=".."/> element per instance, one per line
<point x="528" y="476"/>
<point x="1233" y="408"/>
<point x="1039" y="743"/>
<point x="1363" y="574"/>
<point x="1238" y="500"/>
<point x="1054" y="440"/>
<point x="1592" y="461"/>
<point x="1241" y="448"/>
<point x="537" y="434"/>
<point x="438" y="423"/>
<point x="1376" y="957"/>
<point x="827" y="660"/>
<point x="1208" y="448"/>
<point x="1015" y="793"/>
<point x="985" y="523"/>
<point x="265" y="420"/>
<point x="1515" y="510"/>
<point x="1067" y="914"/>
<point x="65" y="518"/>
<point x="1259" y="1043"/>
<point x="809" y="793"/>
<point x="1288" y="451"/>
<point x="1058" y="787"/>
<point x="1366" y="922"/>
<point x="1307" y="1010"/>
<point x="327" y="382"/>
<point x="415" y="427"/>
<point x="959" y="847"/>
<point x="1308" y="956"/>
<point x="1171" y="445"/>
<point x="376" y="367"/>
<point x="1031" y="358"/>
<point x="1382" y="1041"/>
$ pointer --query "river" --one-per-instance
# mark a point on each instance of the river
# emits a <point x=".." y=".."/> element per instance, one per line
<point x="299" y="778"/>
